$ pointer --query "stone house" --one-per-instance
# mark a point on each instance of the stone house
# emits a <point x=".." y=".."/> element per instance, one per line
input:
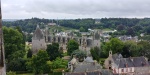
<point x="127" y="66"/>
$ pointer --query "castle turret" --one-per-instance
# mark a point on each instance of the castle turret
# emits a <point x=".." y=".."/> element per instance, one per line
<point x="38" y="41"/>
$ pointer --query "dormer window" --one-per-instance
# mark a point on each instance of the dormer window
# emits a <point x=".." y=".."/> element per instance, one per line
<point x="122" y="70"/>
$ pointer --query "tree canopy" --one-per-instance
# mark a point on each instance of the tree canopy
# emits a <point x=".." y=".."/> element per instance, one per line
<point x="114" y="44"/>
<point x="72" y="45"/>
<point x="13" y="42"/>
<point x="53" y="51"/>
<point x="95" y="52"/>
<point x="38" y="63"/>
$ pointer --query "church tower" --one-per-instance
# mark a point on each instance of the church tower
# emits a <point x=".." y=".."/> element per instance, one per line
<point x="2" y="54"/>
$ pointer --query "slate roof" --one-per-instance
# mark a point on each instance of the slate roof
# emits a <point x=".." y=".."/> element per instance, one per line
<point x="117" y="56"/>
<point x="106" y="72"/>
<point x="102" y="72"/>
<point x="89" y="59"/>
<point x="140" y="61"/>
<point x="38" y="34"/>
<point x="125" y="62"/>
<point x="131" y="62"/>
<point x="85" y="73"/>
<point x="82" y="67"/>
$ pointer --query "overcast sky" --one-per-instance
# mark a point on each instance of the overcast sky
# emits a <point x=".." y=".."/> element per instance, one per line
<point x="67" y="9"/>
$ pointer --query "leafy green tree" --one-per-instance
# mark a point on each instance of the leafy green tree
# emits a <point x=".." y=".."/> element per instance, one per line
<point x="95" y="52"/>
<point x="148" y="30"/>
<point x="38" y="63"/>
<point x="130" y="49"/>
<point x="24" y="37"/>
<point x="12" y="42"/>
<point x="59" y="63"/>
<point x="53" y="51"/>
<point x="17" y="65"/>
<point x="114" y="44"/>
<point x="130" y="31"/>
<point x="144" y="48"/>
<point x="79" y="54"/>
<point x="29" y="37"/>
<point x="82" y="29"/>
<point x="29" y="54"/>
<point x="120" y="27"/>
<point x="72" y="45"/>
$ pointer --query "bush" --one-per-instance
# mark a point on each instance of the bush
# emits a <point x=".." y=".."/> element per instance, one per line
<point x="11" y="73"/>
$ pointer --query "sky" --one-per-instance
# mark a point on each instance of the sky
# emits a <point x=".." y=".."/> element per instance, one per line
<point x="73" y="9"/>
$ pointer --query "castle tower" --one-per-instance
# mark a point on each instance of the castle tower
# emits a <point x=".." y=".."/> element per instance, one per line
<point x="2" y="54"/>
<point x="38" y="41"/>
<point x="96" y="39"/>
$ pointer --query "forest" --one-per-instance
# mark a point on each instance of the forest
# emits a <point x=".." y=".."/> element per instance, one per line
<point x="125" y="26"/>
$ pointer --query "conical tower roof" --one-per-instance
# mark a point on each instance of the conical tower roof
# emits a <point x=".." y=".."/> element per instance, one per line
<point x="38" y="34"/>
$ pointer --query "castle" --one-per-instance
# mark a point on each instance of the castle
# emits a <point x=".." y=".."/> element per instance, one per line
<point x="43" y="37"/>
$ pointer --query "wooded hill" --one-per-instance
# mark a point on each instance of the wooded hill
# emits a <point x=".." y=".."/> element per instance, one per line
<point x="125" y="26"/>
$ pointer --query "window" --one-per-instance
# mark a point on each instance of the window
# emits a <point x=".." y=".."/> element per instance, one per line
<point x="130" y="69"/>
<point x="109" y="61"/>
<point x="122" y="70"/>
<point x="127" y="70"/>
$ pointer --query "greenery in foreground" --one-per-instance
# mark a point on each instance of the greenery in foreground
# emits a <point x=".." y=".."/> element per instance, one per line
<point x="21" y="60"/>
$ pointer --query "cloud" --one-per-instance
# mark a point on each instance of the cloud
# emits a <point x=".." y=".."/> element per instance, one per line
<point x="75" y="8"/>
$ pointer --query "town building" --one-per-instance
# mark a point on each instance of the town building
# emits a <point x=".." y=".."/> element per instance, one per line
<point x="127" y="66"/>
<point x="87" y="67"/>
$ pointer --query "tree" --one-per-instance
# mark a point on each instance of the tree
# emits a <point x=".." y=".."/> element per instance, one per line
<point x="53" y="51"/>
<point x="130" y="49"/>
<point x="79" y="54"/>
<point x="59" y="63"/>
<point x="95" y="52"/>
<point x="29" y="54"/>
<point x="130" y="31"/>
<point x="17" y="65"/>
<point x="148" y="30"/>
<point x="12" y="42"/>
<point x="72" y="45"/>
<point x="120" y="27"/>
<point x="38" y="63"/>
<point x="82" y="29"/>
<point x="114" y="44"/>
<point x="144" y="48"/>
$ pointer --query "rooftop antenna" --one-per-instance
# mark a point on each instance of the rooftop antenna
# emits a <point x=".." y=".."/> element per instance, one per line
<point x="52" y="20"/>
<point x="57" y="22"/>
